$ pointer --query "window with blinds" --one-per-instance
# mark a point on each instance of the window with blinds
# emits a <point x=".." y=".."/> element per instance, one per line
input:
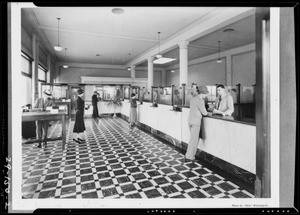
<point x="26" y="71"/>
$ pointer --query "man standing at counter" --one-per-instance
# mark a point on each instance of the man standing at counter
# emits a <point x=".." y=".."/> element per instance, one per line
<point x="197" y="109"/>
<point x="41" y="104"/>
<point x="224" y="102"/>
<point x="95" y="106"/>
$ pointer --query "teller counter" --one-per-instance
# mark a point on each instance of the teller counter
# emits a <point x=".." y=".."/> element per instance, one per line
<point x="226" y="142"/>
<point x="102" y="108"/>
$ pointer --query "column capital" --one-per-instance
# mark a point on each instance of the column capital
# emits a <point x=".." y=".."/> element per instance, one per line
<point x="132" y="67"/>
<point x="183" y="44"/>
<point x="151" y="58"/>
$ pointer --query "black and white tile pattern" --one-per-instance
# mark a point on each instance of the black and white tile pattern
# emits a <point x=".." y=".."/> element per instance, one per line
<point x="116" y="162"/>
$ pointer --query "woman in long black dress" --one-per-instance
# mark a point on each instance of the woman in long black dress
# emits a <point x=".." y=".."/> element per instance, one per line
<point x="79" y="126"/>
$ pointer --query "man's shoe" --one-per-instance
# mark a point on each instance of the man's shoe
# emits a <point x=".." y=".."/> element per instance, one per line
<point x="81" y="140"/>
<point x="188" y="160"/>
<point x="77" y="141"/>
<point x="39" y="145"/>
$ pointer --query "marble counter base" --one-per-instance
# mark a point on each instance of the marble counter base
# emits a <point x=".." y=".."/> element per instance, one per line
<point x="229" y="168"/>
<point x="225" y="166"/>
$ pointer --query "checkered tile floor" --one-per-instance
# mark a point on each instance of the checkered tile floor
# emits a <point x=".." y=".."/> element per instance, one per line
<point x="116" y="162"/>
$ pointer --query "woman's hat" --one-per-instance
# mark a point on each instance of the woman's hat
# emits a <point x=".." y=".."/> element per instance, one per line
<point x="80" y="91"/>
<point x="132" y="94"/>
<point x="48" y="92"/>
<point x="203" y="90"/>
<point x="95" y="91"/>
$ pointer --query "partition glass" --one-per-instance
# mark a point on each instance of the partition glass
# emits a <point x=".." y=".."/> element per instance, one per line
<point x="119" y="92"/>
<point x="188" y="96"/>
<point x="146" y="95"/>
<point x="141" y="94"/>
<point x="59" y="91"/>
<point x="155" y="94"/>
<point x="165" y="95"/>
<point x="126" y="92"/>
<point x="247" y="101"/>
<point x="177" y="96"/>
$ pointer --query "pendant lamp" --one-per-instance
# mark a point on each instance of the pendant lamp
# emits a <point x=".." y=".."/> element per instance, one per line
<point x="129" y="68"/>
<point x="158" y="55"/>
<point x="65" y="65"/>
<point x="219" y="60"/>
<point x="58" y="47"/>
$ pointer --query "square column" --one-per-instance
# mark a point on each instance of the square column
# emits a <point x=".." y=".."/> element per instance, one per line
<point x="150" y="73"/>
<point x="49" y="69"/>
<point x="35" y="66"/>
<point x="163" y="77"/>
<point x="183" y="62"/>
<point x="132" y="71"/>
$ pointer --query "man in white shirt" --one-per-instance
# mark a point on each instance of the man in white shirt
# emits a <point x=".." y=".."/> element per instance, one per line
<point x="224" y="102"/>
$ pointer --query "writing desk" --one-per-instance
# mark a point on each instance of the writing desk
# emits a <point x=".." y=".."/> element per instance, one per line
<point x="50" y="116"/>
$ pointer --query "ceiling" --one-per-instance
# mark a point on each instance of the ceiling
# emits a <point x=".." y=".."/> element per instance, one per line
<point x="118" y="38"/>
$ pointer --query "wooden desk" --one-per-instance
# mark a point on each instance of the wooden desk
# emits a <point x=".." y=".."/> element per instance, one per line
<point x="47" y="115"/>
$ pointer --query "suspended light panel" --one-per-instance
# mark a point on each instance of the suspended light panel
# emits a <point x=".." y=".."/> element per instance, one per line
<point x="163" y="60"/>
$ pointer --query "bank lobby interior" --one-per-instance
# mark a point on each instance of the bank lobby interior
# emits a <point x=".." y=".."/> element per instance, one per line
<point x="119" y="51"/>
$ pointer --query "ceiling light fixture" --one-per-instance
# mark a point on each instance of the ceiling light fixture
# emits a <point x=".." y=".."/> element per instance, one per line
<point x="129" y="68"/>
<point x="158" y="55"/>
<point x="58" y="47"/>
<point x="228" y="30"/>
<point x="117" y="11"/>
<point x="163" y="60"/>
<point x="219" y="60"/>
<point x="65" y="65"/>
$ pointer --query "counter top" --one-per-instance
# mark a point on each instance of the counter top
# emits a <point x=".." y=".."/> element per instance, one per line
<point x="236" y="119"/>
<point x="241" y="120"/>
<point x="62" y="103"/>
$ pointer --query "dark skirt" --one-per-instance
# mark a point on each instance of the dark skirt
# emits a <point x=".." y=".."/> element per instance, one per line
<point x="132" y="115"/>
<point x="79" y="122"/>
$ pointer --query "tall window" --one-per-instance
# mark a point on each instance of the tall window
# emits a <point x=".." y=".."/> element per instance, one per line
<point x="41" y="78"/>
<point x="26" y="72"/>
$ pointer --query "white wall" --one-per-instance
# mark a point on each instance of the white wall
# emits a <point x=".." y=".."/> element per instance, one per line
<point x="243" y="69"/>
<point x="73" y="74"/>
<point x="144" y="74"/>
<point x="238" y="66"/>
<point x="26" y="41"/>
<point x="206" y="74"/>
<point x="43" y="58"/>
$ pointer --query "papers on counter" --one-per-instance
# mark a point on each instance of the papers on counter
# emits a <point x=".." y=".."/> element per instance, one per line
<point x="54" y="111"/>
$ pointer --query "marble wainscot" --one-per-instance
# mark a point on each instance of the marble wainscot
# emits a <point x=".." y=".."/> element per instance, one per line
<point x="227" y="144"/>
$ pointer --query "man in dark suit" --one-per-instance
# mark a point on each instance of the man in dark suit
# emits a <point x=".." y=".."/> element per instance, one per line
<point x="95" y="106"/>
